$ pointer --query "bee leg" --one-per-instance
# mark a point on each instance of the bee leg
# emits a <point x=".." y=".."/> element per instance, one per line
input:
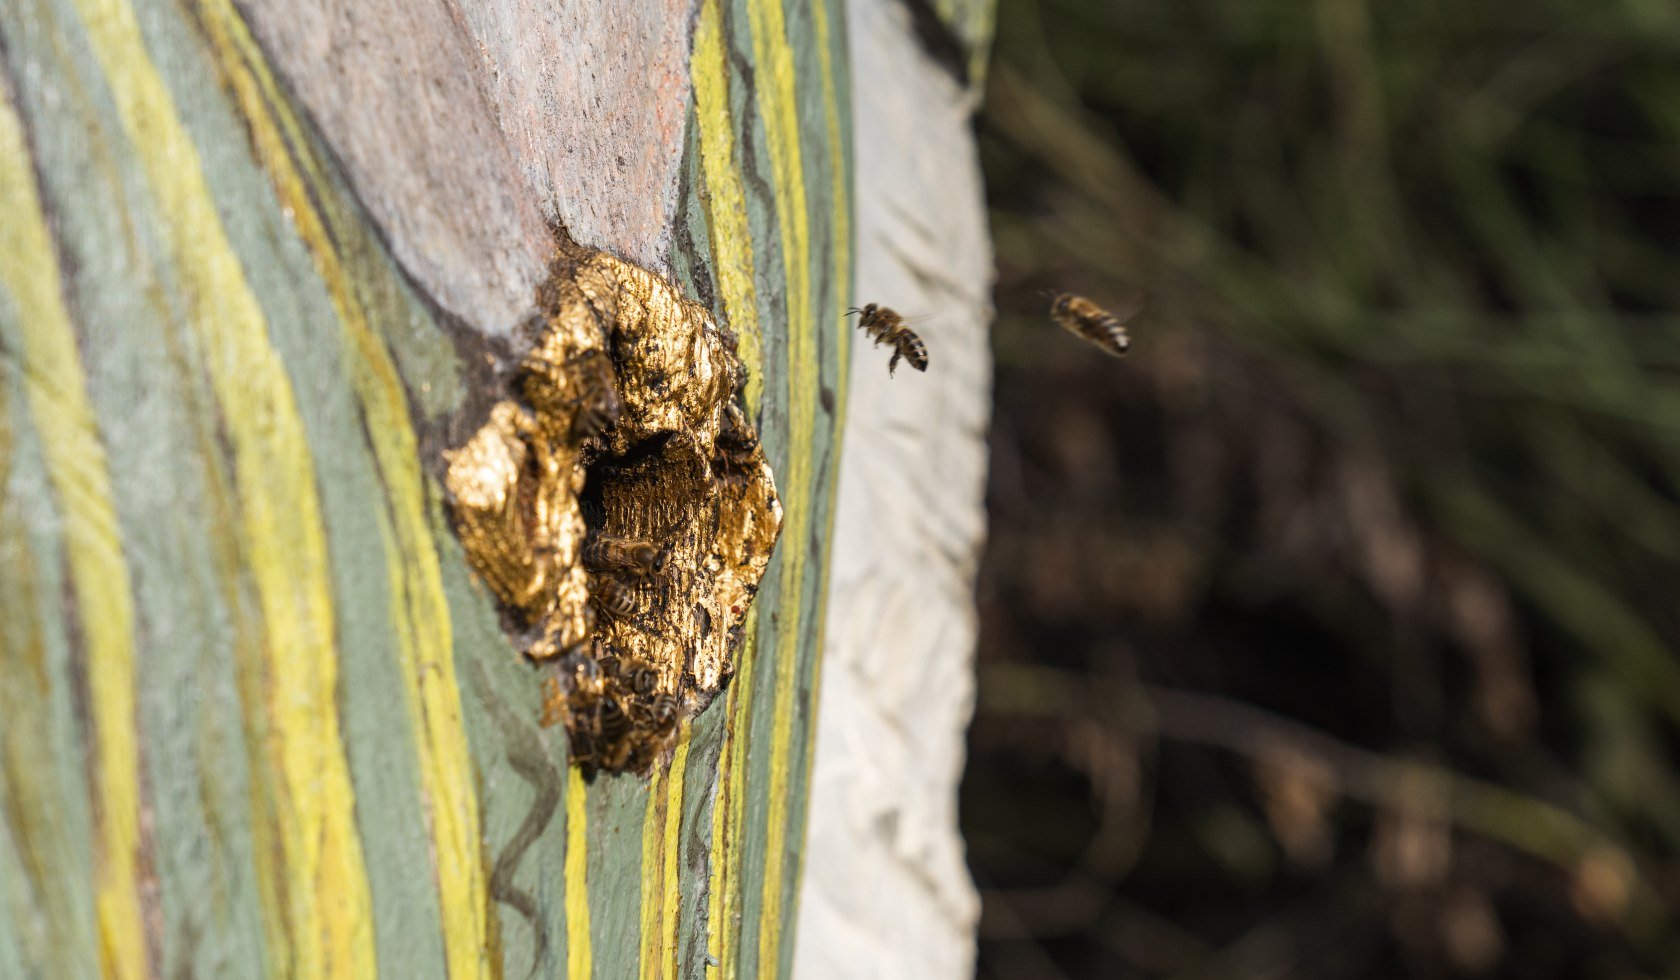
<point x="892" y="365"/>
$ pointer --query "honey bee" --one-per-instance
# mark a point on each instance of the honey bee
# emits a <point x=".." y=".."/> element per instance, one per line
<point x="625" y="556"/>
<point x="735" y="442"/>
<point x="1090" y="322"/>
<point x="887" y="327"/>
<point x="583" y="747"/>
<point x="611" y="720"/>
<point x="643" y="679"/>
<point x="613" y="596"/>
<point x="662" y="711"/>
<point x="599" y="405"/>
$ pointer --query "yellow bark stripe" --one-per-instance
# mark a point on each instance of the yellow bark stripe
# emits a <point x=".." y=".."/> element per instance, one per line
<point x="730" y="233"/>
<point x="722" y="930"/>
<point x="75" y="459"/>
<point x="322" y="903"/>
<point x="778" y="105"/>
<point x="719" y="880"/>
<point x="732" y="255"/>
<point x="420" y="611"/>
<point x="661" y="894"/>
<point x="671" y="901"/>
<point x="579" y="954"/>
<point x="652" y="868"/>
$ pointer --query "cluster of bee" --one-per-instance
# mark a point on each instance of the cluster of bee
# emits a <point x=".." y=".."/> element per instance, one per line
<point x="618" y="712"/>
<point x="608" y="430"/>
<point x="616" y="565"/>
<point x="610" y="701"/>
<point x="621" y="712"/>
<point x="1075" y="314"/>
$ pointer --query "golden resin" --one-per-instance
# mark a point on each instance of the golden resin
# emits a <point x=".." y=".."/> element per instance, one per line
<point x="653" y="449"/>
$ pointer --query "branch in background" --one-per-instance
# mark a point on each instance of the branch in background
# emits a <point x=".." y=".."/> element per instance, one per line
<point x="1529" y="825"/>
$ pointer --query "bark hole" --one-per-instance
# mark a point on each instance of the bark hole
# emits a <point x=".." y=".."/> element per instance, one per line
<point x="620" y="508"/>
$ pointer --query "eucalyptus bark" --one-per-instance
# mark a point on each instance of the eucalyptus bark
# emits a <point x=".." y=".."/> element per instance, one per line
<point x="262" y="264"/>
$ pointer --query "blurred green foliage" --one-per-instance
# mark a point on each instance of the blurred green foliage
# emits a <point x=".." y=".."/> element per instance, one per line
<point x="1391" y="482"/>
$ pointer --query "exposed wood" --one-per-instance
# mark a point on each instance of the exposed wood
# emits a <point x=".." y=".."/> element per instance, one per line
<point x="464" y="128"/>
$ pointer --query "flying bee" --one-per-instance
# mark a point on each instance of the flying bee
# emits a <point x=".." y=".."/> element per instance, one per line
<point x="1090" y="323"/>
<point x="613" y="596"/>
<point x="887" y="327"/>
<point x="625" y="556"/>
<point x="597" y="387"/>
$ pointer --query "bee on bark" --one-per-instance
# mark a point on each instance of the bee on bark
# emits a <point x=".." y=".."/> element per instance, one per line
<point x="611" y="721"/>
<point x="1090" y="323"/>
<point x="642" y="678"/>
<point x="623" y="556"/>
<point x="597" y="386"/>
<point x="736" y="443"/>
<point x="662" y="712"/>
<point x="613" y="596"/>
<point x="582" y="712"/>
<point x="887" y="327"/>
<point x="583" y="748"/>
<point x="607" y="658"/>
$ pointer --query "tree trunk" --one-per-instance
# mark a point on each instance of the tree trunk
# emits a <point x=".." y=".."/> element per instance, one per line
<point x="885" y="880"/>
<point x="262" y="265"/>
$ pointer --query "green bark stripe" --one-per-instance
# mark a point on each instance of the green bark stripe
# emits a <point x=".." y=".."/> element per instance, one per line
<point x="785" y="146"/>
<point x="380" y="744"/>
<point x="47" y="858"/>
<point x="617" y="807"/>
<point x="156" y="415"/>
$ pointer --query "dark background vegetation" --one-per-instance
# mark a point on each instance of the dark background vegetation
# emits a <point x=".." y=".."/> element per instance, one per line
<point x="1333" y="632"/>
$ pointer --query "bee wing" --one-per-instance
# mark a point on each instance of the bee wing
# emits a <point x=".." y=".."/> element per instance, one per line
<point x="1128" y="303"/>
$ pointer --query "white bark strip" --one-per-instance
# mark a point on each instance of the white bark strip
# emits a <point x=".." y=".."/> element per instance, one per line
<point x="886" y="892"/>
